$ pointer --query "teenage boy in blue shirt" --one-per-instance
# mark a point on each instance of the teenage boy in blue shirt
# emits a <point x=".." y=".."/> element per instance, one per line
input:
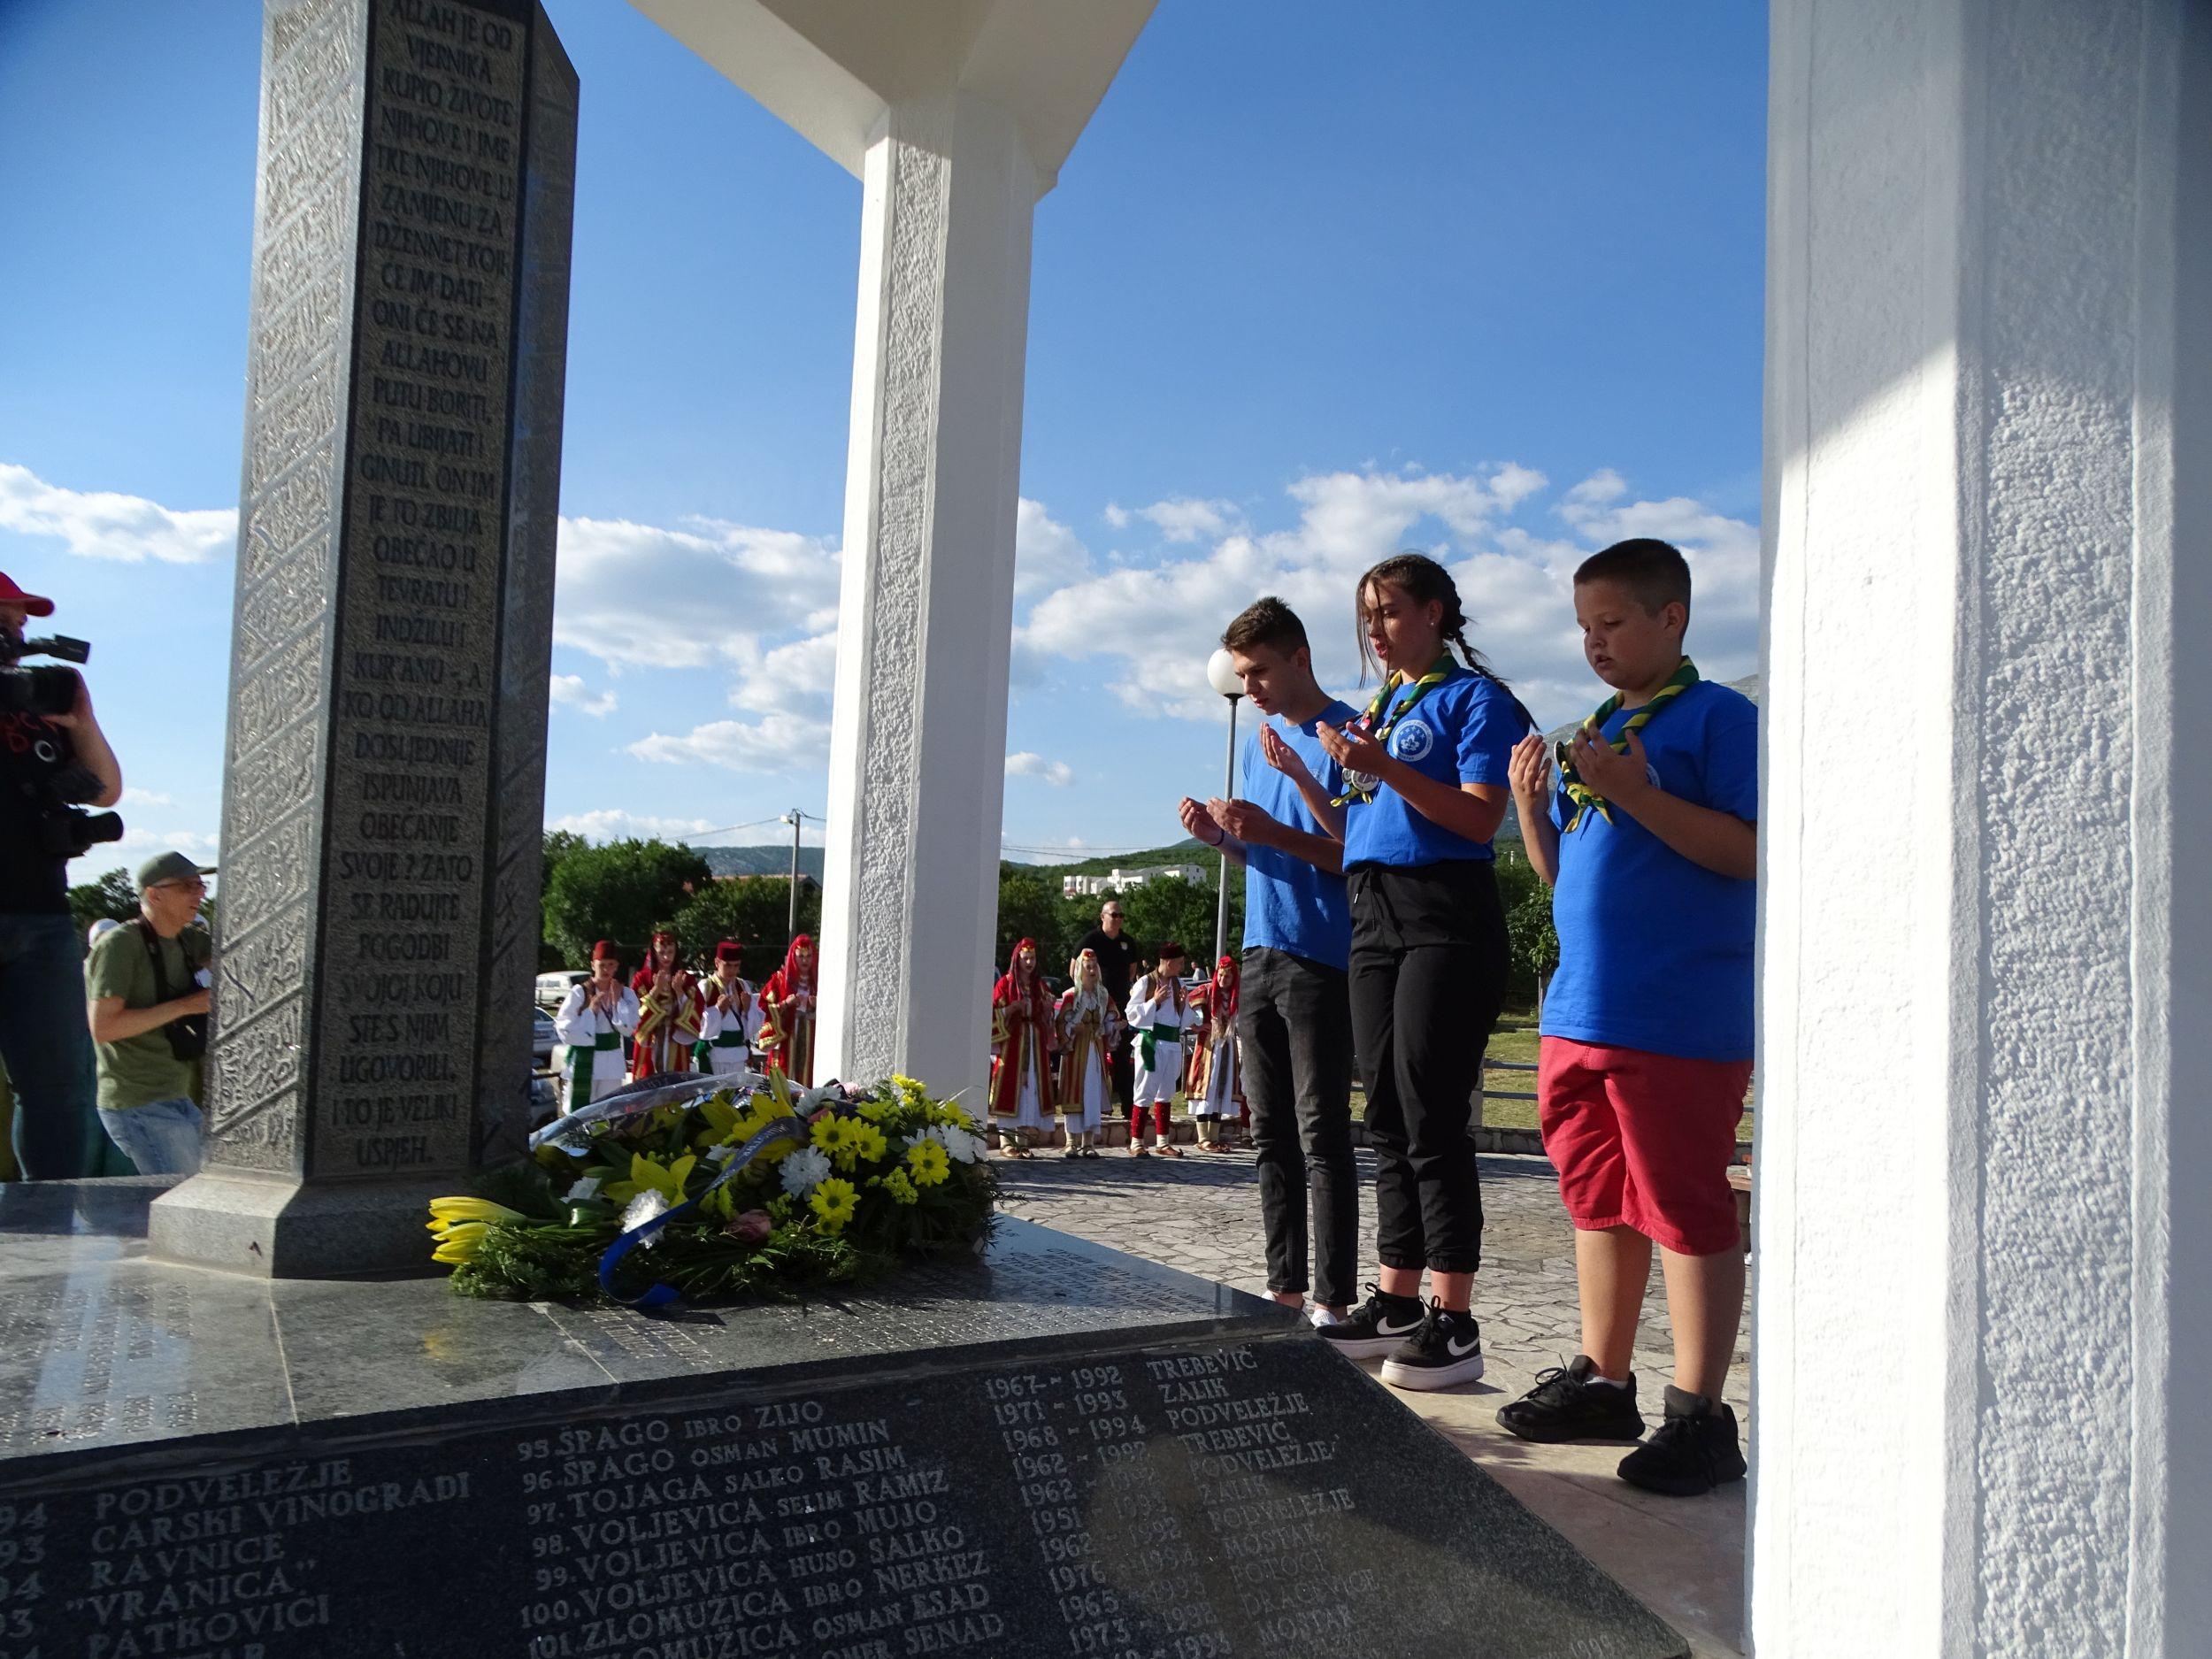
<point x="1294" y="1020"/>
<point x="1650" y="841"/>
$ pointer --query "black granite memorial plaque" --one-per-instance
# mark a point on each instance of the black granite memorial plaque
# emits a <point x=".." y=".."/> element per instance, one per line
<point x="383" y="800"/>
<point x="1056" y="1451"/>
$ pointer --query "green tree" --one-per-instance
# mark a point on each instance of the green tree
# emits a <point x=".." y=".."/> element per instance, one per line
<point x="1029" y="907"/>
<point x="558" y="845"/>
<point x="114" y="896"/>
<point x="755" y="911"/>
<point x="620" y="891"/>
<point x="1165" y="908"/>
<point x="1528" y="927"/>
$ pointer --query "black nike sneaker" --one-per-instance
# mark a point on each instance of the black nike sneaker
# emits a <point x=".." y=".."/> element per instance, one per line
<point x="1445" y="1351"/>
<point x="1379" y="1326"/>
<point x="1570" y="1403"/>
<point x="1693" y="1450"/>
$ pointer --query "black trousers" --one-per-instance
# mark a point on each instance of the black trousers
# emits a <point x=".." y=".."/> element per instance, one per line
<point x="1121" y="1070"/>
<point x="1294" y="1026"/>
<point x="1429" y="963"/>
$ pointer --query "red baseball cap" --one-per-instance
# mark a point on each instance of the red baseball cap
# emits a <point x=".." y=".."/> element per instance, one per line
<point x="10" y="594"/>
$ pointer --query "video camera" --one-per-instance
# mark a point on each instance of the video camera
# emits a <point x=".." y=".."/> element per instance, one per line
<point x="64" y="828"/>
<point x="39" y="690"/>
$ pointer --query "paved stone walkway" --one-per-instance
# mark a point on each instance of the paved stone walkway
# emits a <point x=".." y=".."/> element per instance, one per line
<point x="1202" y="1214"/>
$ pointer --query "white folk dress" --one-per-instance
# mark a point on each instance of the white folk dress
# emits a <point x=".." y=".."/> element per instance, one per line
<point x="595" y="1043"/>
<point x="725" y="1040"/>
<point x="1158" y="1025"/>
<point x="1087" y="1032"/>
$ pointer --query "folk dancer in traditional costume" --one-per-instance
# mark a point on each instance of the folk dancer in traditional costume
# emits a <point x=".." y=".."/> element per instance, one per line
<point x="728" y="1017"/>
<point x="1215" y="1082"/>
<point x="1021" y="1040"/>
<point x="668" y="1012"/>
<point x="787" y="1001"/>
<point x="594" y="1017"/>
<point x="1157" y="1012"/>
<point x="1086" y="1027"/>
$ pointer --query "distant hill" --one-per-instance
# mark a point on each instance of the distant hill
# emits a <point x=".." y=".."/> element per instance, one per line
<point x="761" y="861"/>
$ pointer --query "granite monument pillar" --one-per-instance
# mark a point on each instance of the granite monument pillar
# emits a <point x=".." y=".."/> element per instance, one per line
<point x="384" y="784"/>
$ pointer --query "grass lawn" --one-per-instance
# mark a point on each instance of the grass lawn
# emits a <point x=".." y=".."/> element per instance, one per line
<point x="1514" y="1038"/>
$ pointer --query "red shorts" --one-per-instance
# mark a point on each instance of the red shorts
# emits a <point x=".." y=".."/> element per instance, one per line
<point x="1644" y="1141"/>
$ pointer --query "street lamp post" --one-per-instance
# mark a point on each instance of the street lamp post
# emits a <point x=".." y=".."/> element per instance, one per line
<point x="1221" y="673"/>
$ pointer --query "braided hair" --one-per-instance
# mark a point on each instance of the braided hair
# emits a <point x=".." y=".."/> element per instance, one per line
<point x="1421" y="578"/>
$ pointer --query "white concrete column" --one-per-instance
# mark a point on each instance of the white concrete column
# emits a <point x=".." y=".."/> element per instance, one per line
<point x="918" y="738"/>
<point x="1985" y="1180"/>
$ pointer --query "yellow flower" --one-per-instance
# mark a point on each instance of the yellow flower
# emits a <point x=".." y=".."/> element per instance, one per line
<point x="830" y="1135"/>
<point x="651" y="1172"/>
<point x="930" y="1162"/>
<point x="833" y="1203"/>
<point x="458" y="1242"/>
<point x="900" y="1189"/>
<point x="445" y="1212"/>
<point x="867" y="1141"/>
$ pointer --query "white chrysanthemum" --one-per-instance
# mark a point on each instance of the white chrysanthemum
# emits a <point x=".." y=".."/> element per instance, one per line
<point x="959" y="1145"/>
<point x="650" y="1203"/>
<point x="804" y="1171"/>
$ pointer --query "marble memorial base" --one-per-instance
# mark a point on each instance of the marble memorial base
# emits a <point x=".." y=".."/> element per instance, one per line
<point x="1055" y="1450"/>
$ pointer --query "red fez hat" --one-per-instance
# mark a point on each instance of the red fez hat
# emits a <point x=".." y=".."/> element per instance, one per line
<point x="728" y="951"/>
<point x="603" y="951"/>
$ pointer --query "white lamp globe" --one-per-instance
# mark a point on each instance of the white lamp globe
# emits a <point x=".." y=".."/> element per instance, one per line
<point x="1221" y="673"/>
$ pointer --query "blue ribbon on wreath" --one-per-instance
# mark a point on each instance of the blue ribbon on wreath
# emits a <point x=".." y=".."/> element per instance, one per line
<point x="658" y="1295"/>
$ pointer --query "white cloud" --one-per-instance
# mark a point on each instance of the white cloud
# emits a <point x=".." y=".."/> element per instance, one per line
<point x="569" y="691"/>
<point x="1025" y="764"/>
<point x="1184" y="519"/>
<point x="779" y="741"/>
<point x="641" y="596"/>
<point x="1116" y="516"/>
<point x="101" y="524"/>
<point x="1047" y="553"/>
<point x="133" y="795"/>
<point x="181" y="840"/>
<point x="797" y="677"/>
<point x="1161" y="621"/>
<point x="612" y="824"/>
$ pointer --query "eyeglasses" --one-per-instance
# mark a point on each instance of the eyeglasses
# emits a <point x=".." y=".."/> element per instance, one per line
<point x="1111" y="915"/>
<point x="181" y="886"/>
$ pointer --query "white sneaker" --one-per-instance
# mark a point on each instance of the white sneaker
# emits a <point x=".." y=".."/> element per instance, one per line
<point x="1321" y="1317"/>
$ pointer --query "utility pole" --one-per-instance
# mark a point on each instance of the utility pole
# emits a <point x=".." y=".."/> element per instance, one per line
<point x="795" y="817"/>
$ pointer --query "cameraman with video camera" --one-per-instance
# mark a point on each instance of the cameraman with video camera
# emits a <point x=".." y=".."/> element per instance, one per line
<point x="53" y="761"/>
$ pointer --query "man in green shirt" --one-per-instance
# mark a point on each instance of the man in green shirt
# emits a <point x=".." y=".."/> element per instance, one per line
<point x="147" y="999"/>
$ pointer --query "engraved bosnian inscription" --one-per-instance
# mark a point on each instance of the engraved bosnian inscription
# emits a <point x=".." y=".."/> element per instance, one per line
<point x="406" y="817"/>
<point x="1192" y="1504"/>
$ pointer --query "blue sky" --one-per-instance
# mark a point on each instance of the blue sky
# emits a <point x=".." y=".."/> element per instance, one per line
<point x="1484" y="280"/>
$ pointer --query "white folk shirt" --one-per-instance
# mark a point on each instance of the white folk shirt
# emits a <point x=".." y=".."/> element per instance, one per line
<point x="1158" y="1076"/>
<point x="595" y="1064"/>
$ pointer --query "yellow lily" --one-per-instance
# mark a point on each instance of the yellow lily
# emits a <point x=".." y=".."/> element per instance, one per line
<point x="458" y="1242"/>
<point x="651" y="1173"/>
<point x="445" y="1212"/>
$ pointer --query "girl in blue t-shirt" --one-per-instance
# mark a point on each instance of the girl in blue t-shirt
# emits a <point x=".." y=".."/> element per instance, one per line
<point x="1427" y="784"/>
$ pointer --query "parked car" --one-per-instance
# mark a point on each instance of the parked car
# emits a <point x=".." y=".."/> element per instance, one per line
<point x="543" y="1037"/>
<point x="553" y="987"/>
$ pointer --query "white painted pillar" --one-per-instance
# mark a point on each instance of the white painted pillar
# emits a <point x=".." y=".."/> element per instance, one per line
<point x="918" y="741"/>
<point x="1985" y="1178"/>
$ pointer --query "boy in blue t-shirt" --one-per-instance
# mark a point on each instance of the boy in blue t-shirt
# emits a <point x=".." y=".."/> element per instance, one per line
<point x="1294" y="1018"/>
<point x="1650" y="842"/>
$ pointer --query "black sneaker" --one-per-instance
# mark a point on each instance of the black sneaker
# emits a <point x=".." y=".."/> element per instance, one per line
<point x="1379" y="1326"/>
<point x="1693" y="1450"/>
<point x="1446" y="1350"/>
<point x="1571" y="1404"/>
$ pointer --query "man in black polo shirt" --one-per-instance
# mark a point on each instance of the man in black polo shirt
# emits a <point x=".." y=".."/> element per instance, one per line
<point x="42" y="1034"/>
<point x="1116" y="966"/>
